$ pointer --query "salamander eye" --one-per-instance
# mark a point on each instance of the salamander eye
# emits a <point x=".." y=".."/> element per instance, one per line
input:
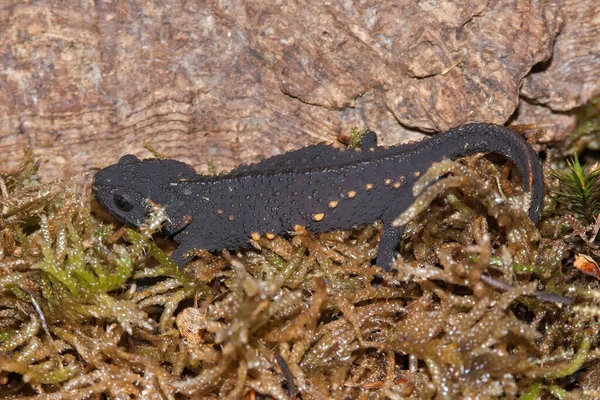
<point x="122" y="203"/>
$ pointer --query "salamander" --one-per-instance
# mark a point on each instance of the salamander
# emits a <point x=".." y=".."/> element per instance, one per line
<point x="321" y="188"/>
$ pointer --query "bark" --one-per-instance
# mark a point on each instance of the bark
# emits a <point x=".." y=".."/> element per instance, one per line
<point x="234" y="81"/>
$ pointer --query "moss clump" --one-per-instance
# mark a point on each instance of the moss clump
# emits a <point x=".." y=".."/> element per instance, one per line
<point x="470" y="311"/>
<point x="579" y="190"/>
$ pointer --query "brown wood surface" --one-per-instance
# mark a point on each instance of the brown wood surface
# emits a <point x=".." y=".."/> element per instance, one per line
<point x="83" y="83"/>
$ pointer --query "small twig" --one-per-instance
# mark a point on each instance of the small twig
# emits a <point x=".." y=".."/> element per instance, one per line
<point x="287" y="373"/>
<point x="543" y="296"/>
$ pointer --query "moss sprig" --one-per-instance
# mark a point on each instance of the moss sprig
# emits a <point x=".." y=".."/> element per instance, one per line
<point x="356" y="136"/>
<point x="580" y="189"/>
<point x="78" y="276"/>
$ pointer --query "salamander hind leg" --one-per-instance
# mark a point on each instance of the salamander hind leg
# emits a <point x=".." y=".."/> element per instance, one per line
<point x="388" y="245"/>
<point x="178" y="256"/>
<point x="391" y="235"/>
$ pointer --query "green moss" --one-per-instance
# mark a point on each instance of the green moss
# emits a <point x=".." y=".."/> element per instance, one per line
<point x="558" y="392"/>
<point x="580" y="190"/>
<point x="212" y="168"/>
<point x="49" y="373"/>
<point x="6" y="334"/>
<point x="356" y="136"/>
<point x="532" y="392"/>
<point x="577" y="361"/>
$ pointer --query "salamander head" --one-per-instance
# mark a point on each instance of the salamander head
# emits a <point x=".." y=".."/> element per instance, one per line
<point x="124" y="188"/>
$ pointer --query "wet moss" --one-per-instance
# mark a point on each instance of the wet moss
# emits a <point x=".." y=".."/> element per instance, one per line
<point x="474" y="307"/>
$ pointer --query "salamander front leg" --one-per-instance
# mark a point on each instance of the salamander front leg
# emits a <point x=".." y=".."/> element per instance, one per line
<point x="178" y="256"/>
<point x="388" y="245"/>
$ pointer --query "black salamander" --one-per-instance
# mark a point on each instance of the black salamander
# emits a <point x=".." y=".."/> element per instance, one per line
<point x="321" y="187"/>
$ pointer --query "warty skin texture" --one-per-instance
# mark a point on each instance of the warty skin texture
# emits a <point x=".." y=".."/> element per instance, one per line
<point x="321" y="187"/>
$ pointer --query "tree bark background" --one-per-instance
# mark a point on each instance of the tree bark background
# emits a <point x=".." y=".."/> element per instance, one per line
<point x="232" y="81"/>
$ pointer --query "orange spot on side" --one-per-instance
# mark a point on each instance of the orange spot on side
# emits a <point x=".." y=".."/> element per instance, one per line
<point x="299" y="229"/>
